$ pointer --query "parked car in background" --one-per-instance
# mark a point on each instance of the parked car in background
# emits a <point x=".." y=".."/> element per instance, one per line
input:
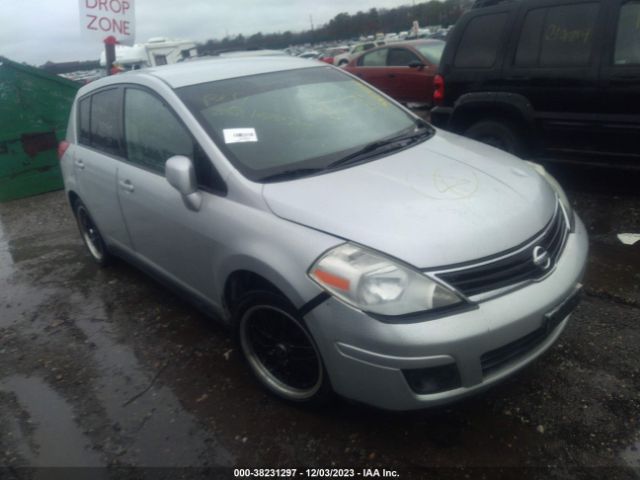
<point x="546" y="79"/>
<point x="343" y="59"/>
<point x="403" y="70"/>
<point x="310" y="55"/>
<point x="351" y="246"/>
<point x="329" y="54"/>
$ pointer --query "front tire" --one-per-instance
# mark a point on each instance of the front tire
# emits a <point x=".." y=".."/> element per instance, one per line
<point x="279" y="349"/>
<point x="91" y="235"/>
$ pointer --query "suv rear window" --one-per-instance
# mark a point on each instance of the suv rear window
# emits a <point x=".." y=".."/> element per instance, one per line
<point x="627" y="50"/>
<point x="560" y="36"/>
<point x="479" y="45"/>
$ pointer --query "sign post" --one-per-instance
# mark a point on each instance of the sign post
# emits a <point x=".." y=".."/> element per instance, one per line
<point x="108" y="21"/>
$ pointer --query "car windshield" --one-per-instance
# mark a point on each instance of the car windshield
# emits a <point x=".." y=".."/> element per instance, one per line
<point x="432" y="51"/>
<point x="304" y="120"/>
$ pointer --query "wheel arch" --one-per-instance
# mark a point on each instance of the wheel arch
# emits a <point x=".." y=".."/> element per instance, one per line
<point x="245" y="274"/>
<point x="473" y="107"/>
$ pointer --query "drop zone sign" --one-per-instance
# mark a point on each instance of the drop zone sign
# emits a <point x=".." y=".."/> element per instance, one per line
<point x="100" y="19"/>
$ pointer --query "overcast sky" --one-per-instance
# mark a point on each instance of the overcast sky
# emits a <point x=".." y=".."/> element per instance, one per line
<point x="35" y="31"/>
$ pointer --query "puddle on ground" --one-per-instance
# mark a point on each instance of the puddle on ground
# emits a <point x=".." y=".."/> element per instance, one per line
<point x="155" y="428"/>
<point x="56" y="440"/>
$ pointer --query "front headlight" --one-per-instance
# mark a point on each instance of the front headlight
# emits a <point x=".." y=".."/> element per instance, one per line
<point x="564" y="200"/>
<point x="371" y="282"/>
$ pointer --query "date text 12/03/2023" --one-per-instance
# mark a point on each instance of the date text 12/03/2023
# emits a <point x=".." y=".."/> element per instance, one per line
<point x="315" y="473"/>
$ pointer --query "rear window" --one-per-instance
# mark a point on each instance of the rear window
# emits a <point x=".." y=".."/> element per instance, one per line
<point x="105" y="121"/>
<point x="99" y="121"/>
<point x="377" y="58"/>
<point x="479" y="45"/>
<point x="560" y="36"/>
<point x="432" y="51"/>
<point x="627" y="50"/>
<point x="84" y="112"/>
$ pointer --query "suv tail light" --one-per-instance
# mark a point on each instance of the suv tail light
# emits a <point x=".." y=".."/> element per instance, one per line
<point x="438" y="90"/>
<point x="62" y="147"/>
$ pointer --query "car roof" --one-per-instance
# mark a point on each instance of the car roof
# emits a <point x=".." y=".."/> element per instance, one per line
<point x="217" y="68"/>
<point x="415" y="43"/>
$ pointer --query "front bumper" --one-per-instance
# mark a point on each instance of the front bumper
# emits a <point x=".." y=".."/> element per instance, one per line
<point x="365" y="358"/>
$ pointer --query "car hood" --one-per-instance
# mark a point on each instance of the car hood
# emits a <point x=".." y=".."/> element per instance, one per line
<point x="444" y="201"/>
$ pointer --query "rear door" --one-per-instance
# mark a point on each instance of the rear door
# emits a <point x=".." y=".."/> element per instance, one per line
<point x="553" y="62"/>
<point x="620" y="81"/>
<point x="96" y="160"/>
<point x="177" y="242"/>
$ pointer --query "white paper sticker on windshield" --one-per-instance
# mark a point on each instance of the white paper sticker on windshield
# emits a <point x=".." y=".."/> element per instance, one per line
<point x="238" y="135"/>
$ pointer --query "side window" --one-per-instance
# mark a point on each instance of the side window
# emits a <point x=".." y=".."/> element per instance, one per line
<point x="152" y="132"/>
<point x="105" y="121"/>
<point x="377" y="58"/>
<point x="568" y="35"/>
<point x="84" y="112"/>
<point x="530" y="37"/>
<point x="559" y="36"/>
<point x="401" y="57"/>
<point x="480" y="40"/>
<point x="627" y="50"/>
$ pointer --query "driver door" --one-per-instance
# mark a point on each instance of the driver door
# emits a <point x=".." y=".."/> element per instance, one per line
<point x="169" y="238"/>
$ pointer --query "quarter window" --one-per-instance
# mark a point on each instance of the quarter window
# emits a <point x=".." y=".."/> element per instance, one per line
<point x="377" y="58"/>
<point x="401" y="57"/>
<point x="559" y="36"/>
<point x="480" y="40"/>
<point x="627" y="50"/>
<point x="105" y="121"/>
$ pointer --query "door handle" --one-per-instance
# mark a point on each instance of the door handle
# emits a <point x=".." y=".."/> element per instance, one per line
<point x="80" y="164"/>
<point x="126" y="185"/>
<point x="391" y="75"/>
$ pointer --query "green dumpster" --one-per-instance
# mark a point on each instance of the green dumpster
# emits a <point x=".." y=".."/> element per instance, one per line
<point x="34" y="109"/>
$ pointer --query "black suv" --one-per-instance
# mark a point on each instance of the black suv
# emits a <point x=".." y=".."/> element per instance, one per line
<point x="546" y="78"/>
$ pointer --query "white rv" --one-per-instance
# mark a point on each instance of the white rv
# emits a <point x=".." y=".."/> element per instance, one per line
<point x="157" y="51"/>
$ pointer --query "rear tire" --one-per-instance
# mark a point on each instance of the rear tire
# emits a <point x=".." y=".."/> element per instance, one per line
<point x="91" y="235"/>
<point x="279" y="349"/>
<point x="498" y="134"/>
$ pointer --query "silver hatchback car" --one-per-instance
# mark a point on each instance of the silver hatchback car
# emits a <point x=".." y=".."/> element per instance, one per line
<point x="352" y="247"/>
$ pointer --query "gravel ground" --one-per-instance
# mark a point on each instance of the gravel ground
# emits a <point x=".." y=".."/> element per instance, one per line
<point x="105" y="367"/>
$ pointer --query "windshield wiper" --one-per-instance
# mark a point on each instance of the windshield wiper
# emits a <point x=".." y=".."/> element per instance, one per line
<point x="290" y="174"/>
<point x="399" y="141"/>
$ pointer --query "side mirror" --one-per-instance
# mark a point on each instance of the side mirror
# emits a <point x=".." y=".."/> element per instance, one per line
<point x="416" y="64"/>
<point x="181" y="175"/>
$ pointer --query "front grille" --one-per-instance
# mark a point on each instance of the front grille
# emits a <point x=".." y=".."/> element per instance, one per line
<point x="513" y="268"/>
<point x="495" y="359"/>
